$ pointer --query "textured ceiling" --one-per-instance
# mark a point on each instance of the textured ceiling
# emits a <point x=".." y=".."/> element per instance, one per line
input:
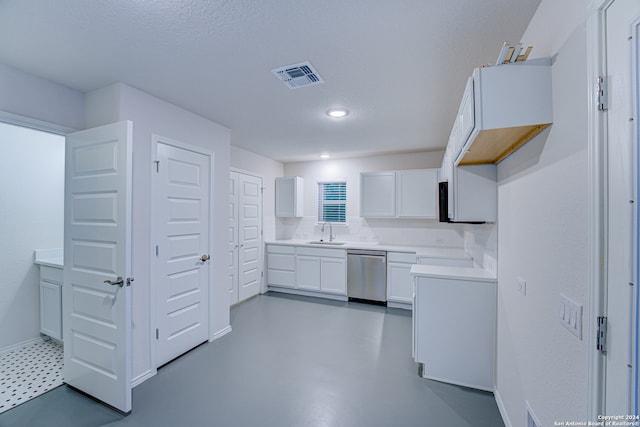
<point x="399" y="66"/>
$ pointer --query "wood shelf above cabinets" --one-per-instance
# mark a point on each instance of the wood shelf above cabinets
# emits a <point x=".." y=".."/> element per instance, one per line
<point x="494" y="145"/>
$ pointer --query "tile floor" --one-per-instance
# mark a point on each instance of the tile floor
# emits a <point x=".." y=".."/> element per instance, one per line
<point x="29" y="371"/>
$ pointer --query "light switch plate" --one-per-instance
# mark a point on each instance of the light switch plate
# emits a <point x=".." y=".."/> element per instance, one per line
<point x="571" y="316"/>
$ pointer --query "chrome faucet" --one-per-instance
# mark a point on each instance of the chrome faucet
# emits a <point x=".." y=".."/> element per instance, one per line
<point x="331" y="236"/>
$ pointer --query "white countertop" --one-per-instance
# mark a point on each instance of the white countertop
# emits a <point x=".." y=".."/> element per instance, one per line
<point x="476" y="273"/>
<point x="49" y="257"/>
<point x="425" y="251"/>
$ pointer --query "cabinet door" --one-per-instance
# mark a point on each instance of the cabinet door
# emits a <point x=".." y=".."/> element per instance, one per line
<point x="377" y="194"/>
<point x="475" y="193"/>
<point x="289" y="196"/>
<point x="418" y="193"/>
<point x="51" y="309"/>
<point x="308" y="272"/>
<point x="399" y="282"/>
<point x="466" y="114"/>
<point x="333" y="275"/>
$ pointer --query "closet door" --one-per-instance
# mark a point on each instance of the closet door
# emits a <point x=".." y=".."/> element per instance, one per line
<point x="245" y="236"/>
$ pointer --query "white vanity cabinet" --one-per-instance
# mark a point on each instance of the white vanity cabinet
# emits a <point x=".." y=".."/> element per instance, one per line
<point x="51" y="279"/>
<point x="289" y="196"/>
<point x="320" y="269"/>
<point x="399" y="194"/>
<point x="399" y="279"/>
<point x="281" y="266"/>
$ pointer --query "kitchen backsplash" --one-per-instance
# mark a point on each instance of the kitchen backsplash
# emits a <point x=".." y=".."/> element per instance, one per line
<point x="389" y="231"/>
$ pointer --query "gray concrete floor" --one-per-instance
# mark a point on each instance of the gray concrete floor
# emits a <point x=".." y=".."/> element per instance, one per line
<point x="290" y="361"/>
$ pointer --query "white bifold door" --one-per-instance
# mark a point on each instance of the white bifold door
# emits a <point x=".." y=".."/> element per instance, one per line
<point x="181" y="207"/>
<point x="97" y="269"/>
<point x="245" y="236"/>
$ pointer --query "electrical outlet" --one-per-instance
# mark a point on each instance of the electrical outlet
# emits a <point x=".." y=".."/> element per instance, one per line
<point x="521" y="286"/>
<point x="571" y="316"/>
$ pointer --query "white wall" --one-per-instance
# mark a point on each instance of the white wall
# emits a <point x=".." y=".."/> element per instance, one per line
<point x="389" y="231"/>
<point x="268" y="169"/>
<point x="542" y="237"/>
<point x="151" y="115"/>
<point x="30" y="96"/>
<point x="31" y="217"/>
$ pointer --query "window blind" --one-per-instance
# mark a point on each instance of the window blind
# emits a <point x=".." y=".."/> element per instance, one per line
<point x="332" y="201"/>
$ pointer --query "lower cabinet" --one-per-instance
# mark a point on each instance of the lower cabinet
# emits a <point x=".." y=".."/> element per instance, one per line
<point x="51" y="301"/>
<point x="321" y="270"/>
<point x="399" y="279"/>
<point x="460" y="349"/>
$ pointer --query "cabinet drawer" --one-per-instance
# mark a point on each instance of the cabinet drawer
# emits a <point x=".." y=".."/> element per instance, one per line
<point x="281" y="278"/>
<point x="51" y="274"/>
<point x="280" y="249"/>
<point x="322" y="252"/>
<point x="409" y="258"/>
<point x="277" y="261"/>
<point x="448" y="262"/>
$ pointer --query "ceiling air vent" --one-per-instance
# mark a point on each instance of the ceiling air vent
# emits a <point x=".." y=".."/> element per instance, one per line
<point x="298" y="75"/>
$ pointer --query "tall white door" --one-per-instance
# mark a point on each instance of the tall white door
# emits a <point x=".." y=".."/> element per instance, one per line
<point x="97" y="252"/>
<point x="623" y="21"/>
<point x="233" y="236"/>
<point x="245" y="236"/>
<point x="182" y="185"/>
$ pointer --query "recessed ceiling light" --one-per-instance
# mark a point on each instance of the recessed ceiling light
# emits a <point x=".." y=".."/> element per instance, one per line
<point x="337" y="113"/>
<point x="324" y="156"/>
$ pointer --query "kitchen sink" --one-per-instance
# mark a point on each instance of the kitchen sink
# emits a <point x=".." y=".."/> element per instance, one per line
<point x="322" y="242"/>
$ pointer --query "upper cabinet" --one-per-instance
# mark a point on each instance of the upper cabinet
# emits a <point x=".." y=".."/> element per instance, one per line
<point x="289" y="196"/>
<point x="399" y="194"/>
<point x="502" y="108"/>
<point x="378" y="194"/>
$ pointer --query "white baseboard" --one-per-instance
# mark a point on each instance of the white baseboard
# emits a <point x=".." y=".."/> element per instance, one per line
<point x="19" y="345"/>
<point x="502" y="409"/>
<point x="143" y="377"/>
<point x="221" y="333"/>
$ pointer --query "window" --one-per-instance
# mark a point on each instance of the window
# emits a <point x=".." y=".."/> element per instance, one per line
<point x="332" y="201"/>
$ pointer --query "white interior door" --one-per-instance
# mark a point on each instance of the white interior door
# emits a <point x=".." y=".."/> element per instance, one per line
<point x="250" y="235"/>
<point x="622" y="18"/>
<point x="97" y="249"/>
<point x="233" y="237"/>
<point x="182" y="255"/>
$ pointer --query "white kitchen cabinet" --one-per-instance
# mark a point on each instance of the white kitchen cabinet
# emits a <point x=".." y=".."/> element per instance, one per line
<point x="473" y="194"/>
<point x="51" y="279"/>
<point x="289" y="196"/>
<point x="399" y="279"/>
<point x="399" y="194"/>
<point x="417" y="193"/>
<point x="377" y="194"/>
<point x="321" y="269"/>
<point x="308" y="272"/>
<point x="454" y="322"/>
<point x="503" y="107"/>
<point x="281" y="266"/>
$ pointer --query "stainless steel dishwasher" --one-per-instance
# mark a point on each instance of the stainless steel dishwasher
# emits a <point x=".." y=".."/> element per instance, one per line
<point x="367" y="276"/>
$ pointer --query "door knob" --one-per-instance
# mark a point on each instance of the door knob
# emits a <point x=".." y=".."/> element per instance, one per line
<point x="204" y="258"/>
<point x="118" y="282"/>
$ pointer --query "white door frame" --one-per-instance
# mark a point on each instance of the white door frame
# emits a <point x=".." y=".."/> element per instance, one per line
<point x="155" y="237"/>
<point x="597" y="183"/>
<point x="263" y="286"/>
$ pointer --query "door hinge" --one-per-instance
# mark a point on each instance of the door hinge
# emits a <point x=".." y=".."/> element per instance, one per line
<point x="157" y="162"/>
<point x="601" y="93"/>
<point x="601" y="334"/>
<point x="157" y="250"/>
<point x="157" y="334"/>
